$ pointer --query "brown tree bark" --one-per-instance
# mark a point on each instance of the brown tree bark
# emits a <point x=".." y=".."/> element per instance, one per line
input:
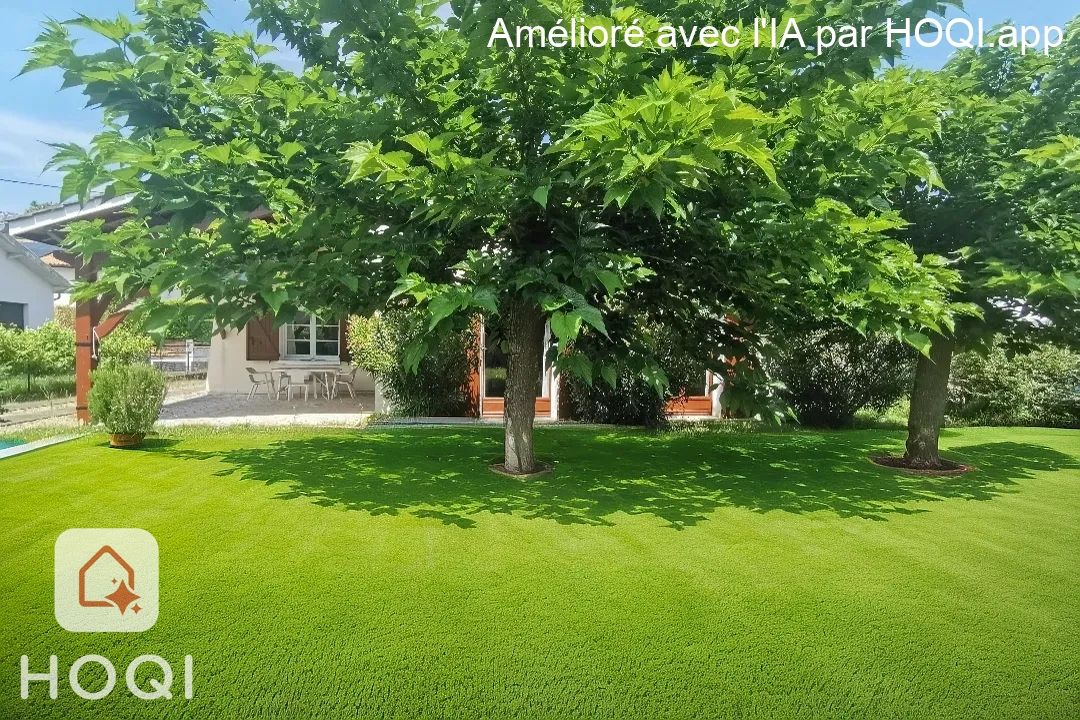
<point x="928" y="396"/>
<point x="525" y="337"/>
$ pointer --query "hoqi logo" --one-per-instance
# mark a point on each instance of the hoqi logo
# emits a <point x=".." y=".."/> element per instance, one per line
<point x="106" y="580"/>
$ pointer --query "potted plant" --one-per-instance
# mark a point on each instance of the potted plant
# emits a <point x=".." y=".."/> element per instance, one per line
<point x="127" y="399"/>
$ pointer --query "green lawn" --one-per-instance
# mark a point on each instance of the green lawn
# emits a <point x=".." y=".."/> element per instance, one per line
<point x="329" y="574"/>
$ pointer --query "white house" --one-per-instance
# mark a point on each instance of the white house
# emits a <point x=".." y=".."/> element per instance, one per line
<point x="28" y="287"/>
<point x="263" y="347"/>
<point x="304" y="344"/>
<point x="59" y="259"/>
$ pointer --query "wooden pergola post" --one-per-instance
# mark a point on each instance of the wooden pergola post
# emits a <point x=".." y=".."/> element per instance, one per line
<point x="90" y="328"/>
<point x="85" y="362"/>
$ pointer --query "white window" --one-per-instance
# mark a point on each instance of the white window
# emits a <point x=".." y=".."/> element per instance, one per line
<point x="310" y="337"/>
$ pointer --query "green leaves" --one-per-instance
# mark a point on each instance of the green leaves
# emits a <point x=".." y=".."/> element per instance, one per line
<point x="367" y="159"/>
<point x="289" y="149"/>
<point x="540" y="195"/>
<point x="274" y="298"/>
<point x="665" y="141"/>
<point x="917" y="340"/>
<point x="116" y="30"/>
<point x="566" y="326"/>
<point x="83" y="172"/>
<point x="52" y="48"/>
<point x="217" y="153"/>
<point x="408" y="163"/>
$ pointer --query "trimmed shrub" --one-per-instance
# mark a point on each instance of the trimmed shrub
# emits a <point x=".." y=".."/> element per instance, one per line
<point x="832" y="374"/>
<point x="124" y="346"/>
<point x="440" y="385"/>
<point x="999" y="387"/>
<point x="633" y="400"/>
<point x="127" y="399"/>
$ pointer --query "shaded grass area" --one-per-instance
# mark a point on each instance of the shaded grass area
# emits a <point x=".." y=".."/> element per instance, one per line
<point x="387" y="573"/>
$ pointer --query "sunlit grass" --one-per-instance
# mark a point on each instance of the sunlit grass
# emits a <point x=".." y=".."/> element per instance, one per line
<point x="703" y="573"/>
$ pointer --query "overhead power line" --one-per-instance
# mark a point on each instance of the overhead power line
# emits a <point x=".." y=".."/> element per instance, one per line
<point x="27" y="182"/>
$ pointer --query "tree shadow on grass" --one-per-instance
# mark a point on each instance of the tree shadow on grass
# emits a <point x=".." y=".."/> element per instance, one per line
<point x="680" y="477"/>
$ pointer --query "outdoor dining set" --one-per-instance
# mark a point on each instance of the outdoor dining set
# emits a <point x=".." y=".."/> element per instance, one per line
<point x="301" y="377"/>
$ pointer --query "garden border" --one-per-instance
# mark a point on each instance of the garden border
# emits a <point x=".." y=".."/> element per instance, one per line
<point x="34" y="445"/>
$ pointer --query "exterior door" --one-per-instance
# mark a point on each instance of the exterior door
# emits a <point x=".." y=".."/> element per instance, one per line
<point x="493" y="380"/>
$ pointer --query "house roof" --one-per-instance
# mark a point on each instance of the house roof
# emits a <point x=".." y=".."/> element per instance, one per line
<point x="40" y="249"/>
<point x="59" y="259"/>
<point x="15" y="250"/>
<point x="42" y="225"/>
<point x="50" y="254"/>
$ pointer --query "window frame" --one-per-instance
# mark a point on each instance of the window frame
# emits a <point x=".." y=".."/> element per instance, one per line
<point x="22" y="309"/>
<point x="313" y="324"/>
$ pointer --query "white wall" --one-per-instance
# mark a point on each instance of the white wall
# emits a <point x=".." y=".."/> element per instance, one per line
<point x="69" y="275"/>
<point x="19" y="284"/>
<point x="226" y="371"/>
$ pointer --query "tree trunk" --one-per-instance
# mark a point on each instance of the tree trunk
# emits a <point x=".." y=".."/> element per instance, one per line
<point x="525" y="337"/>
<point x="927" y="412"/>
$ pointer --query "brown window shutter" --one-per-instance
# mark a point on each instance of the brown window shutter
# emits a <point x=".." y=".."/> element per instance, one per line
<point x="343" y="336"/>
<point x="262" y="339"/>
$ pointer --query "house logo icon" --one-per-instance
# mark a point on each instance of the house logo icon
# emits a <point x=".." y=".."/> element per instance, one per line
<point x="106" y="580"/>
<point x="123" y="596"/>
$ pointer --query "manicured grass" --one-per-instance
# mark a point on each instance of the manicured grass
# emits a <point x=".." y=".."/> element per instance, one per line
<point x="386" y="573"/>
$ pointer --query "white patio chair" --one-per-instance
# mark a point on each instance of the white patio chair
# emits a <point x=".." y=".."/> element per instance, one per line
<point x="345" y="380"/>
<point x="321" y="384"/>
<point x="260" y="378"/>
<point x="287" y="385"/>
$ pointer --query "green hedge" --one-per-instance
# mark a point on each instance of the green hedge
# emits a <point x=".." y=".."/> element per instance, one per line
<point x="999" y="387"/>
<point x="831" y="375"/>
<point x="440" y="385"/>
<point x="633" y="400"/>
<point x="30" y="359"/>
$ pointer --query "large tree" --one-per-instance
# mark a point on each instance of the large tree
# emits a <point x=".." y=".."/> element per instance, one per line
<point x="715" y="191"/>
<point x="1009" y="214"/>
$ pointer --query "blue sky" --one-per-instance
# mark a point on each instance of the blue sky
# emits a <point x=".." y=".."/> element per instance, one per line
<point x="33" y="111"/>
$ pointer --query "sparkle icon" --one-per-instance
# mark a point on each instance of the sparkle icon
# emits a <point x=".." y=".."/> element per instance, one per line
<point x="121" y="597"/>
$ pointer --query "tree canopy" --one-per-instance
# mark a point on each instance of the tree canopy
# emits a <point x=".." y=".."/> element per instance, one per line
<point x="715" y="191"/>
<point x="1008" y="213"/>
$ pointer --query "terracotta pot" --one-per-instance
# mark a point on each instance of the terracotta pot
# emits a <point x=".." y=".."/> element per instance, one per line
<point x="120" y="440"/>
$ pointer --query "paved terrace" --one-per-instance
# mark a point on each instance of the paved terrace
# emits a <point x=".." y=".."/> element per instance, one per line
<point x="237" y="409"/>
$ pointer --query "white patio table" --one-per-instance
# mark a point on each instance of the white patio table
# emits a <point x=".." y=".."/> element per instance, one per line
<point x="322" y="371"/>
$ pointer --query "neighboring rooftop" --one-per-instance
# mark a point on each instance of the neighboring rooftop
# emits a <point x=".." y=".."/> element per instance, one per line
<point x="49" y="254"/>
<point x="15" y="250"/>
